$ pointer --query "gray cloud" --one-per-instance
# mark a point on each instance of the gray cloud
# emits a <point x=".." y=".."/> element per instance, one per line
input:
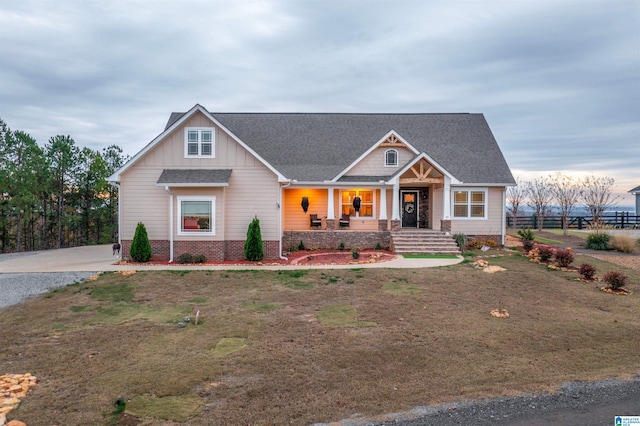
<point x="557" y="81"/>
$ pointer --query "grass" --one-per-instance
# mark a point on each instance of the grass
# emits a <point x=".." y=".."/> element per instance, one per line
<point x="295" y="348"/>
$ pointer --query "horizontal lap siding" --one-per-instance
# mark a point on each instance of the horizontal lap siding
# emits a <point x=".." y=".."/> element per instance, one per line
<point x="373" y="164"/>
<point x="294" y="217"/>
<point x="491" y="226"/>
<point x="253" y="188"/>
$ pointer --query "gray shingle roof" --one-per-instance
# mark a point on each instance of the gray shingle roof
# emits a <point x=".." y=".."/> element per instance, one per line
<point x="194" y="176"/>
<point x="636" y="189"/>
<point x="317" y="147"/>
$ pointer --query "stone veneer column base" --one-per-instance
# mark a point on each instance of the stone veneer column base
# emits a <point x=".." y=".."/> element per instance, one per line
<point x="383" y="225"/>
<point x="395" y="225"/>
<point x="331" y="224"/>
<point x="445" y="225"/>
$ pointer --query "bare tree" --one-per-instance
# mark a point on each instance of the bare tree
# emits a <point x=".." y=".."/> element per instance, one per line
<point x="566" y="192"/>
<point x="539" y="196"/>
<point x="516" y="196"/>
<point x="597" y="196"/>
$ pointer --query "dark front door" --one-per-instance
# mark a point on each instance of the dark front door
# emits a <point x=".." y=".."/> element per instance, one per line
<point x="409" y="209"/>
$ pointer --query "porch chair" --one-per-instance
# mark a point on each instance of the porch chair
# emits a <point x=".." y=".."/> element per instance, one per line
<point x="344" y="221"/>
<point x="315" y="221"/>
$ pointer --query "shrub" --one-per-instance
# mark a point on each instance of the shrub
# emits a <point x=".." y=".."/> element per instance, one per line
<point x="378" y="246"/>
<point x="474" y="243"/>
<point x="587" y="271"/>
<point x="546" y="253"/>
<point x="301" y="245"/>
<point x="185" y="258"/>
<point x="355" y="253"/>
<point x="564" y="257"/>
<point x="597" y="241"/>
<point x="526" y="234"/>
<point x="253" y="249"/>
<point x="140" y="250"/>
<point x="340" y="246"/>
<point x="461" y="240"/>
<point x="199" y="258"/>
<point x="623" y="243"/>
<point x="615" y="279"/>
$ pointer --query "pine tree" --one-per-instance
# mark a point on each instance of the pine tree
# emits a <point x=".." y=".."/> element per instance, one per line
<point x="253" y="245"/>
<point x="140" y="250"/>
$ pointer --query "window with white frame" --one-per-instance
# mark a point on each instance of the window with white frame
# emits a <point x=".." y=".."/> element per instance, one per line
<point x="196" y="215"/>
<point x="470" y="203"/>
<point x="199" y="142"/>
<point x="391" y="158"/>
<point x="357" y="198"/>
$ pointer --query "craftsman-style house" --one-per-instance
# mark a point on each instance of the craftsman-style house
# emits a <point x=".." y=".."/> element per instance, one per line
<point x="360" y="179"/>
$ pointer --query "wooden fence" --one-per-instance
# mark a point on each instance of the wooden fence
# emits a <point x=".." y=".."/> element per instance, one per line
<point x="618" y="220"/>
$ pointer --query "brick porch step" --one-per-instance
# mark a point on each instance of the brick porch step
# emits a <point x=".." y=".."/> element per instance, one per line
<point x="423" y="241"/>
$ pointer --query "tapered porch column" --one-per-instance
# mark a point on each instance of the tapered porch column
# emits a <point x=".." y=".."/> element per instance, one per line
<point x="331" y="217"/>
<point x="445" y="223"/>
<point x="382" y="217"/>
<point x="395" y="203"/>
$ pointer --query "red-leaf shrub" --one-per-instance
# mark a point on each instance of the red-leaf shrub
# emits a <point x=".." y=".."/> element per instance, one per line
<point x="564" y="257"/>
<point x="546" y="253"/>
<point x="587" y="271"/>
<point x="615" y="279"/>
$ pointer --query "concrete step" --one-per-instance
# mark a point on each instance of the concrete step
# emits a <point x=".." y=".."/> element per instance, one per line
<point x="423" y="241"/>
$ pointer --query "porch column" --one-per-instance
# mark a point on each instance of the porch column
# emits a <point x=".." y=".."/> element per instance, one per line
<point x="330" y="204"/>
<point x="383" y="203"/>
<point x="446" y="202"/>
<point x="395" y="203"/>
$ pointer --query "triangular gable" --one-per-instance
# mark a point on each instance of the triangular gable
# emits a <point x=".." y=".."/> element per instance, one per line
<point x="421" y="171"/>
<point x="391" y="139"/>
<point x="115" y="177"/>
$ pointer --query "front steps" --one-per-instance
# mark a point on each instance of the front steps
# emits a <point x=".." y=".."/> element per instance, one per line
<point x="423" y="241"/>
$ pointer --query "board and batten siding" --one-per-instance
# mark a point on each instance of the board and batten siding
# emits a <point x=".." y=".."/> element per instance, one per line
<point x="252" y="191"/>
<point x="373" y="164"/>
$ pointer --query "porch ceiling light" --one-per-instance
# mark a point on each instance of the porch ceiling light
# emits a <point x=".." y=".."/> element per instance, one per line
<point x="305" y="204"/>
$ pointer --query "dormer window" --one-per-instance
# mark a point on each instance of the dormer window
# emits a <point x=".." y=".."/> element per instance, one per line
<point x="199" y="142"/>
<point x="391" y="158"/>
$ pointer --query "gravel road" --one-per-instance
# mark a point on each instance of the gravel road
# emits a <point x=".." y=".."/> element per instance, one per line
<point x="15" y="288"/>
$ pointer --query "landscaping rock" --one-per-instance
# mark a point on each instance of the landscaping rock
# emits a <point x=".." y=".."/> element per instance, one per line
<point x="13" y="387"/>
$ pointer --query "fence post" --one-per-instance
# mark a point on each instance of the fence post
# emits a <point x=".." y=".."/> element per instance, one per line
<point x="580" y="222"/>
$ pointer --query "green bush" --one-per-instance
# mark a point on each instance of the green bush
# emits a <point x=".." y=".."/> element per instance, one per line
<point x="587" y="271"/>
<point x="301" y="246"/>
<point x="461" y="240"/>
<point x="378" y="246"/>
<point x="340" y="246"/>
<point x="526" y="234"/>
<point x="598" y="241"/>
<point x="615" y="279"/>
<point x="253" y="249"/>
<point x="185" y="258"/>
<point x="199" y="258"/>
<point x="355" y="253"/>
<point x="140" y="250"/>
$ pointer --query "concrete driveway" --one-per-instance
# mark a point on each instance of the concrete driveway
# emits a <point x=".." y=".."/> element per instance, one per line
<point x="100" y="258"/>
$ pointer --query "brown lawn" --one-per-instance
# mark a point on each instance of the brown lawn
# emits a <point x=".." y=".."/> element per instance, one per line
<point x="298" y="347"/>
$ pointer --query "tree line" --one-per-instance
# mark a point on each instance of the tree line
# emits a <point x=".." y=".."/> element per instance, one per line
<point x="594" y="193"/>
<point x="57" y="195"/>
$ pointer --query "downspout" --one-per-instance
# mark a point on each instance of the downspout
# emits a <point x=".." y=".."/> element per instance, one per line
<point x="119" y="218"/>
<point x="166" y="188"/>
<point x="504" y="213"/>
<point x="288" y="184"/>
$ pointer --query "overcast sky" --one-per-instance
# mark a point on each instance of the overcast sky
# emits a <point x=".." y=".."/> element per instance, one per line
<point x="557" y="80"/>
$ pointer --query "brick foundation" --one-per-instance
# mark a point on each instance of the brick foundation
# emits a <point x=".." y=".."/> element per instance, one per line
<point x="329" y="240"/>
<point x="213" y="250"/>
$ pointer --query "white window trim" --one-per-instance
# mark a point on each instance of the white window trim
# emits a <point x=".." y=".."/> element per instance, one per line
<point x="209" y="233"/>
<point x="469" y="190"/>
<point x="374" y="206"/>
<point x="199" y="130"/>
<point x="385" y="158"/>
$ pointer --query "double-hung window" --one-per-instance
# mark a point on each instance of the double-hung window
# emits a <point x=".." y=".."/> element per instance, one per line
<point x="199" y="142"/>
<point x="470" y="203"/>
<point x="196" y="215"/>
